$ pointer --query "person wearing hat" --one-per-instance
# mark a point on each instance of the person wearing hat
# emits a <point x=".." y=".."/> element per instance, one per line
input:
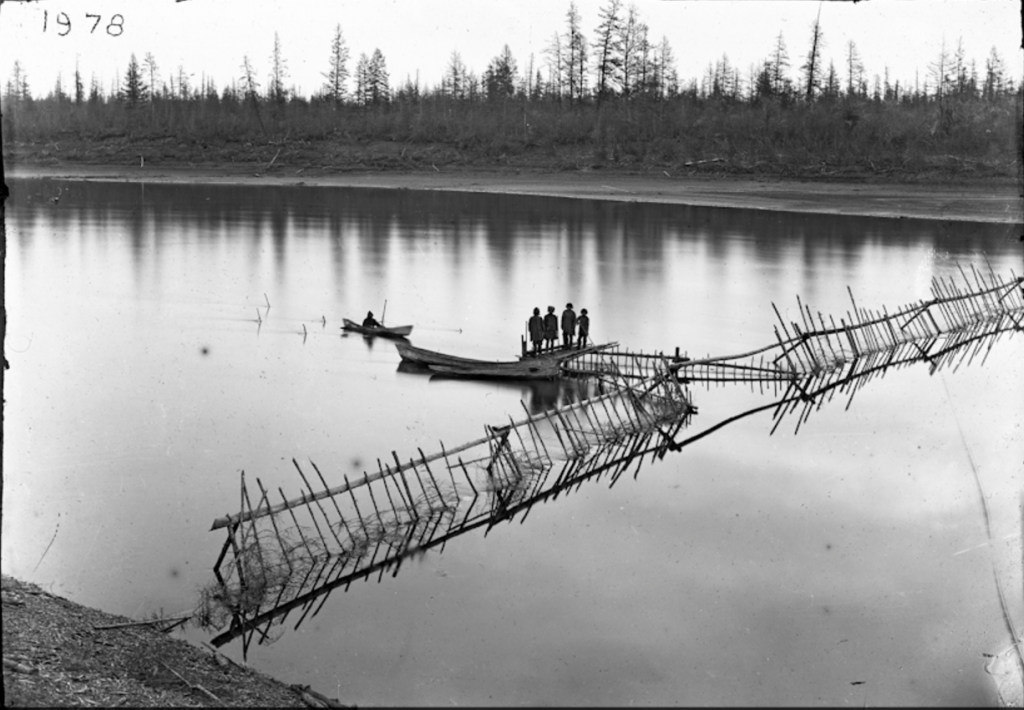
<point x="584" y="324"/>
<point x="370" y="321"/>
<point x="536" y="328"/>
<point x="568" y="325"/>
<point x="550" y="327"/>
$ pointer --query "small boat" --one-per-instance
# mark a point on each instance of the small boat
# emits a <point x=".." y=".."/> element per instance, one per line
<point x="398" y="331"/>
<point x="538" y="369"/>
<point x="544" y="366"/>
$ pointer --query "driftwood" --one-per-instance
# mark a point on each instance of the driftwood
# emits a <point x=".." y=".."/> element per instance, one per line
<point x="314" y="699"/>
<point x="223" y="660"/>
<point x="19" y="667"/>
<point x="192" y="686"/>
<point x="177" y="619"/>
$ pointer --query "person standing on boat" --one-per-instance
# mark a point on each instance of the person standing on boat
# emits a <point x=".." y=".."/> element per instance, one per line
<point x="584" y="323"/>
<point x="568" y="325"/>
<point x="370" y="321"/>
<point x="536" y="328"/>
<point x="551" y="327"/>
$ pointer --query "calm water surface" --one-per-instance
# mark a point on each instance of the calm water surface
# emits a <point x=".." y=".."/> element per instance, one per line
<point x="745" y="569"/>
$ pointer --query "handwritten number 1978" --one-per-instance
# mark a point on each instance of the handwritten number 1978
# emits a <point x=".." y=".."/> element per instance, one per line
<point x="114" y="28"/>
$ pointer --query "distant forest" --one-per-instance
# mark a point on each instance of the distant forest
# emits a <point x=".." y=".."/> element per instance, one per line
<point x="608" y="98"/>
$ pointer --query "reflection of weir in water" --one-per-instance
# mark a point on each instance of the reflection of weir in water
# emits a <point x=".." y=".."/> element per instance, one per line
<point x="285" y="556"/>
<point x="271" y="564"/>
<point x="538" y="395"/>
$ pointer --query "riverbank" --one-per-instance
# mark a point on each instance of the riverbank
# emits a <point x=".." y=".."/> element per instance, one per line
<point x="57" y="652"/>
<point x="995" y="200"/>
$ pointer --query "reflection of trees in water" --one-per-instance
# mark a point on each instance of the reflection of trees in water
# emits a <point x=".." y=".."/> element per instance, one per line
<point x="288" y="557"/>
<point x="621" y="230"/>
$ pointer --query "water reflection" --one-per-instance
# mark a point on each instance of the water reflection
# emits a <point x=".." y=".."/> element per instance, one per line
<point x="385" y="220"/>
<point x="537" y="395"/>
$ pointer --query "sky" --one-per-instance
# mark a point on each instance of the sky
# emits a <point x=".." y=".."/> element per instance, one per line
<point x="417" y="37"/>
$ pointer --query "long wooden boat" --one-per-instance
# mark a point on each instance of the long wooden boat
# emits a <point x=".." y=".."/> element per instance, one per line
<point x="538" y="369"/>
<point x="543" y="366"/>
<point x="421" y="356"/>
<point x="398" y="331"/>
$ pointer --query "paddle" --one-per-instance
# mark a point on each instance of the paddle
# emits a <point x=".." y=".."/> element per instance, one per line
<point x="384" y="312"/>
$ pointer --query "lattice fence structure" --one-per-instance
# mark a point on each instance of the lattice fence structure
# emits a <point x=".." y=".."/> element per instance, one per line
<point x="983" y="305"/>
<point x="286" y="556"/>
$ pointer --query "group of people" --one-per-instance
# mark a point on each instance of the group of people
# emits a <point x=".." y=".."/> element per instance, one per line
<point x="544" y="331"/>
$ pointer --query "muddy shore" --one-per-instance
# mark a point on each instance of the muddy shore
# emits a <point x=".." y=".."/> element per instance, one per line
<point x="993" y="201"/>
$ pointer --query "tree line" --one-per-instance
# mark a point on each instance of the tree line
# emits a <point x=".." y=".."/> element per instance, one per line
<point x="613" y="86"/>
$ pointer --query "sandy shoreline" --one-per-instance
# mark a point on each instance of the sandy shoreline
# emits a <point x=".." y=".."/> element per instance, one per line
<point x="991" y="203"/>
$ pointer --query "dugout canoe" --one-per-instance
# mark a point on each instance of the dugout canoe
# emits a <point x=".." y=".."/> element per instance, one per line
<point x="421" y="356"/>
<point x="543" y="366"/>
<point x="398" y="331"/>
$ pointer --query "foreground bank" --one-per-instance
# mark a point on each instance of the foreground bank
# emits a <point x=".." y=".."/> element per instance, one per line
<point x="991" y="201"/>
<point x="57" y="652"/>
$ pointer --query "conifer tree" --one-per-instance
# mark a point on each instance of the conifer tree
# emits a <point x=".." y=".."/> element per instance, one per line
<point x="134" y="90"/>
<point x="500" y="77"/>
<point x="454" y="82"/>
<point x="779" y="63"/>
<point x="337" y="75"/>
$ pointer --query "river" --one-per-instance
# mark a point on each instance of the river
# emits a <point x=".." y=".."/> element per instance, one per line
<point x="163" y="338"/>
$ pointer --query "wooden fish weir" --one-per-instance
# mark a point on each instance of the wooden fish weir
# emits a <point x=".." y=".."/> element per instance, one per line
<point x="988" y="306"/>
<point x="816" y="345"/>
<point x="285" y="556"/>
<point x="289" y="556"/>
<point x="806" y="394"/>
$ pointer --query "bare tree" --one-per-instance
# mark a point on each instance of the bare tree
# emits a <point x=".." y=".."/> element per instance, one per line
<point x="666" y="81"/>
<point x="854" y="69"/>
<point x="812" y="65"/>
<point x="938" y="69"/>
<point x="608" y="47"/>
<point x="630" y="44"/>
<point x="960" y="68"/>
<point x="276" y="90"/>
<point x="184" y="89"/>
<point x="576" y="54"/>
<point x="250" y="89"/>
<point x="149" y="61"/>
<point x="556" y="66"/>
